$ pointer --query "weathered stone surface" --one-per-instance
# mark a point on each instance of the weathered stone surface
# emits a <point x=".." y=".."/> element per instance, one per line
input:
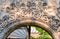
<point x="36" y="10"/>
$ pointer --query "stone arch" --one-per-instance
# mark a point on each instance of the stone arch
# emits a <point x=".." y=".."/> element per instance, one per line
<point x="29" y="13"/>
<point x="29" y="22"/>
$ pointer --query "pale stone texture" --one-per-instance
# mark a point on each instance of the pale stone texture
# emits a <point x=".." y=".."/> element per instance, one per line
<point x="12" y="11"/>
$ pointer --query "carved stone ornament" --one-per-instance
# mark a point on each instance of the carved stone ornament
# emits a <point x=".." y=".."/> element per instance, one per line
<point x="13" y="11"/>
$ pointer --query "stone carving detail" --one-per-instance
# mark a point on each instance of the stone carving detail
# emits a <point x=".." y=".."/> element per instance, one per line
<point x="35" y="10"/>
<point x="55" y="23"/>
<point x="30" y="10"/>
<point x="6" y="23"/>
<point x="55" y="20"/>
<point x="26" y="11"/>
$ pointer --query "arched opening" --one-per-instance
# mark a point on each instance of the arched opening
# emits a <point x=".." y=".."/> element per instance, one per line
<point x="30" y="23"/>
<point x="34" y="32"/>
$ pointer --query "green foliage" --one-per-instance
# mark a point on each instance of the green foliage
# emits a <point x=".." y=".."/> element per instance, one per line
<point x="41" y="31"/>
<point x="43" y="34"/>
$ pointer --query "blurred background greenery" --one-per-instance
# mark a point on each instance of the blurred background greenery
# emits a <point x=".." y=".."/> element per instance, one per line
<point x="43" y="34"/>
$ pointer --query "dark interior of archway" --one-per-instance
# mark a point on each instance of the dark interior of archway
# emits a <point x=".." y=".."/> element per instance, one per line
<point x="38" y="33"/>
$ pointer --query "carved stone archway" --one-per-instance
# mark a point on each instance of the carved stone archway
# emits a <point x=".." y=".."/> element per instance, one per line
<point x="29" y="22"/>
<point x="29" y="12"/>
